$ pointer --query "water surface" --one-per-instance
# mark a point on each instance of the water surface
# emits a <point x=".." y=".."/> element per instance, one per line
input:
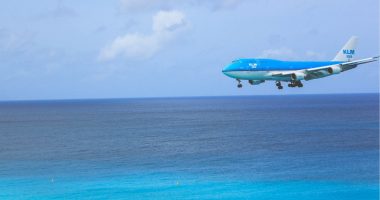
<point x="257" y="147"/>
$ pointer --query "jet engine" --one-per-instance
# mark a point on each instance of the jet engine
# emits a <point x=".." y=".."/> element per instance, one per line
<point x="334" y="70"/>
<point x="255" y="82"/>
<point x="297" y="76"/>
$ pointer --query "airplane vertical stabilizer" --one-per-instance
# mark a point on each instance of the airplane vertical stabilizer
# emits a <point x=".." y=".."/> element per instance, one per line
<point x="348" y="51"/>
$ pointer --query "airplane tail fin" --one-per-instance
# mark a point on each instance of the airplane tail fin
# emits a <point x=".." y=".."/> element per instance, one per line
<point x="347" y="53"/>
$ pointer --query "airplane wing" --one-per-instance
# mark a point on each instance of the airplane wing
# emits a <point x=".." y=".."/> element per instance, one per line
<point x="346" y="65"/>
<point x="319" y="72"/>
<point x="362" y="61"/>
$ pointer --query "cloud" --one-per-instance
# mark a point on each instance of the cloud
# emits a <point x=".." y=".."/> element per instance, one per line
<point x="168" y="21"/>
<point x="166" y="24"/>
<point x="147" y="5"/>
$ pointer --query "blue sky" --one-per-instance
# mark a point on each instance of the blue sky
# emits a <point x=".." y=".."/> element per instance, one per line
<point x="70" y="49"/>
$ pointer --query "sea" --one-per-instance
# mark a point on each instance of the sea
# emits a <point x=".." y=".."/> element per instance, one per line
<point x="312" y="147"/>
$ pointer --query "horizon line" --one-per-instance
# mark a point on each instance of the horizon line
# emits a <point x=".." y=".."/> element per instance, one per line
<point x="178" y="97"/>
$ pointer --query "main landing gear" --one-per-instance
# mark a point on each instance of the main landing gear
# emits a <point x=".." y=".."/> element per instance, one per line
<point x="295" y="84"/>
<point x="239" y="83"/>
<point x="279" y="86"/>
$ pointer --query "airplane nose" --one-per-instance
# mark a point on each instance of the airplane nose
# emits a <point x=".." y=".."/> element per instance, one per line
<point x="226" y="69"/>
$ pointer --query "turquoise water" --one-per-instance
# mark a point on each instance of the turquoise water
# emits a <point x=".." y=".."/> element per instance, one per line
<point x="267" y="147"/>
<point x="164" y="186"/>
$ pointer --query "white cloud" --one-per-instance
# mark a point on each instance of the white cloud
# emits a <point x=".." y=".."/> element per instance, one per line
<point x="131" y="45"/>
<point x="168" y="21"/>
<point x="165" y="26"/>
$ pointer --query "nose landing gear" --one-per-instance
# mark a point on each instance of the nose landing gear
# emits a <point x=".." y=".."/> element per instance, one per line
<point x="239" y="83"/>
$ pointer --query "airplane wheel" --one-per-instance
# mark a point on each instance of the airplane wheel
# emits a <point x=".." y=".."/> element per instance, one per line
<point x="239" y="85"/>
<point x="300" y="85"/>
<point x="280" y="87"/>
<point x="290" y="85"/>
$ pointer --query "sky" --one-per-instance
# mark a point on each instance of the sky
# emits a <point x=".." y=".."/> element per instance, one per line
<point x="69" y="49"/>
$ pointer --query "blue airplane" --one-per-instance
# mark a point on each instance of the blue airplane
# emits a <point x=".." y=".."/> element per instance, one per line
<point x="257" y="71"/>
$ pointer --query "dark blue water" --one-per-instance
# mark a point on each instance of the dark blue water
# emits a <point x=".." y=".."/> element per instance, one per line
<point x="259" y="147"/>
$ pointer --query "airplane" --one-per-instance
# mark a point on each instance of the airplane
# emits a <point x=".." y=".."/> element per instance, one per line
<point x="257" y="71"/>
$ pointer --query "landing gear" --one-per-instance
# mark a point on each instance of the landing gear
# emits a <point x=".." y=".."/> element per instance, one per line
<point x="279" y="86"/>
<point x="239" y="83"/>
<point x="295" y="84"/>
<point x="300" y="84"/>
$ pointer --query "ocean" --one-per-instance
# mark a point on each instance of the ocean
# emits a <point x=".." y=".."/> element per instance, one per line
<point x="253" y="147"/>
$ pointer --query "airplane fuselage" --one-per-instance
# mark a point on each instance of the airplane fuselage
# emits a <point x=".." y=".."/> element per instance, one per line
<point x="263" y="69"/>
